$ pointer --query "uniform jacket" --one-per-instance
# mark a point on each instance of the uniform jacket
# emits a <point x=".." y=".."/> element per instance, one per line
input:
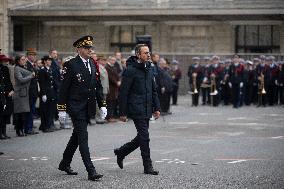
<point x="5" y="87"/>
<point x="138" y="97"/>
<point x="80" y="90"/>
<point x="47" y="83"/>
<point x="23" y="78"/>
<point x="236" y="73"/>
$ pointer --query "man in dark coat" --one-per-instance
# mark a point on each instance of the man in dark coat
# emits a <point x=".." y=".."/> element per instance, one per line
<point x="78" y="94"/>
<point x="138" y="100"/>
<point x="6" y="92"/>
<point x="33" y="90"/>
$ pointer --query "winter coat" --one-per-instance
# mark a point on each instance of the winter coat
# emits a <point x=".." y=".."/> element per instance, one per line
<point x="138" y="97"/>
<point x="22" y="83"/>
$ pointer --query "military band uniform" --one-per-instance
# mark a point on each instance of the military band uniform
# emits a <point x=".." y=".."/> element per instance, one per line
<point x="261" y="70"/>
<point x="197" y="69"/>
<point x="236" y="79"/>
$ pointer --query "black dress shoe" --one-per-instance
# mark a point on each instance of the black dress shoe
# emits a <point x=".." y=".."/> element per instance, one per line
<point x="151" y="171"/>
<point x="1" y="153"/>
<point x="119" y="159"/>
<point x="68" y="170"/>
<point x="95" y="177"/>
<point x="7" y="137"/>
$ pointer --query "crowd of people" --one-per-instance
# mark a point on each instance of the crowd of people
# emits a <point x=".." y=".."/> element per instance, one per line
<point x="237" y="81"/>
<point x="30" y="85"/>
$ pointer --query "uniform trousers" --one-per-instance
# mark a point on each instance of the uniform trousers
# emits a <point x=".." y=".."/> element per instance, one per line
<point x="141" y="140"/>
<point x="79" y="138"/>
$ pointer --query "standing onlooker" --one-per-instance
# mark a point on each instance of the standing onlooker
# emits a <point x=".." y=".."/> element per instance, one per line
<point x="117" y="65"/>
<point x="105" y="84"/>
<point x="176" y="76"/>
<point x="55" y="68"/>
<point x="114" y="83"/>
<point x="165" y="87"/>
<point x="23" y="78"/>
<point x="6" y="93"/>
<point x="33" y="90"/>
<point x="48" y="95"/>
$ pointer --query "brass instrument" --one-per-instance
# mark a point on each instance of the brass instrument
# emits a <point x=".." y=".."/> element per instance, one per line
<point x="213" y="89"/>
<point x="224" y="81"/>
<point x="261" y="86"/>
<point x="194" y="75"/>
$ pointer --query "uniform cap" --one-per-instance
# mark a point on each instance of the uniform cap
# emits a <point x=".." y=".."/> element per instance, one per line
<point x="85" y="41"/>
<point x="195" y="58"/>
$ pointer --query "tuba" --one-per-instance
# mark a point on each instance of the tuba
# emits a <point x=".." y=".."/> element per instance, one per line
<point x="194" y="90"/>
<point x="213" y="90"/>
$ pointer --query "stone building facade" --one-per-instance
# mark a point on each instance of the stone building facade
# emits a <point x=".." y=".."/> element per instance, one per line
<point x="176" y="26"/>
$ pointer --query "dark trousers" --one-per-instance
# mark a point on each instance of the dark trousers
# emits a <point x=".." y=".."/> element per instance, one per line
<point x="142" y="140"/>
<point x="79" y="138"/>
<point x="236" y="95"/>
<point x="30" y="119"/>
<point x="165" y="100"/>
<point x="111" y="108"/>
<point x="271" y="94"/>
<point x="195" y="99"/>
<point x="20" y="121"/>
<point x="205" y="95"/>
<point x="175" y="94"/>
<point x="47" y="110"/>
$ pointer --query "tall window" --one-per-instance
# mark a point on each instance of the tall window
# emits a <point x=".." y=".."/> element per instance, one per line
<point x="18" y="38"/>
<point x="123" y="38"/>
<point x="257" y="39"/>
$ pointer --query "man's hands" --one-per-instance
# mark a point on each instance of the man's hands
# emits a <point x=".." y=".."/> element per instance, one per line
<point x="103" y="112"/>
<point x="123" y="118"/>
<point x="44" y="98"/>
<point x="156" y="114"/>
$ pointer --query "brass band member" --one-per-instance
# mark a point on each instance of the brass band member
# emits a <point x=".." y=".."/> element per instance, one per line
<point x="195" y="77"/>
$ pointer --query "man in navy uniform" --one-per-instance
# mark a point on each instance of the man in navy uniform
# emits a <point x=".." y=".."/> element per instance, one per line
<point x="236" y="72"/>
<point x="48" y="95"/>
<point x="138" y="100"/>
<point x="80" y="89"/>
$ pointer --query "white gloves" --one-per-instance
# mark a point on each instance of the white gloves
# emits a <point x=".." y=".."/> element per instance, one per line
<point x="103" y="112"/>
<point x="230" y="84"/>
<point x="276" y="82"/>
<point x="62" y="116"/>
<point x="241" y="84"/>
<point x="163" y="90"/>
<point x="44" y="98"/>
<point x="4" y="107"/>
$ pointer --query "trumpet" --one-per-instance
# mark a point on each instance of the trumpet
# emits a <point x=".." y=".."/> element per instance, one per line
<point x="194" y="75"/>
<point x="213" y="85"/>
<point x="261" y="86"/>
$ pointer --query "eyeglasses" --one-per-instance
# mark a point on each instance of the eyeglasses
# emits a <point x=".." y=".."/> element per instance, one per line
<point x="146" y="53"/>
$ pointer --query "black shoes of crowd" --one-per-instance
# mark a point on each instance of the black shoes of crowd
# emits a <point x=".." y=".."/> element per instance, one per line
<point x="4" y="137"/>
